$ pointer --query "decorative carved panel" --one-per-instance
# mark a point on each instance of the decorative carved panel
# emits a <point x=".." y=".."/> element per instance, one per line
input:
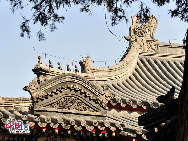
<point x="70" y="103"/>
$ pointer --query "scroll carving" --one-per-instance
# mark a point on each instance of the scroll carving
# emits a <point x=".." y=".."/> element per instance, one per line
<point x="142" y="37"/>
<point x="70" y="103"/>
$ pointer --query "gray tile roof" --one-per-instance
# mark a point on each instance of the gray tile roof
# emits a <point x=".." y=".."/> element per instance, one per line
<point x="124" y="124"/>
<point x="151" y="78"/>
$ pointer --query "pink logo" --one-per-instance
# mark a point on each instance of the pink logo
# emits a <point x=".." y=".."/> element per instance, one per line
<point x="18" y="125"/>
<point x="7" y="125"/>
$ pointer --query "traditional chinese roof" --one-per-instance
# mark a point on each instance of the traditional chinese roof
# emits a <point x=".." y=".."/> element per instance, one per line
<point x="147" y="70"/>
<point x="128" y="126"/>
<point x="162" y="122"/>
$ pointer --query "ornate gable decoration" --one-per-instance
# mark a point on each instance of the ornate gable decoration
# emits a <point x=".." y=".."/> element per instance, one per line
<point x="66" y="92"/>
<point x="142" y="37"/>
<point x="70" y="103"/>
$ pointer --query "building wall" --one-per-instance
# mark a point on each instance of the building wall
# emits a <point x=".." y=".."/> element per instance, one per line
<point x="15" y="102"/>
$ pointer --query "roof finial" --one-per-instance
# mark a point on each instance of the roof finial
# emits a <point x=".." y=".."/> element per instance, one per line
<point x="76" y="69"/>
<point x="135" y="20"/>
<point x="39" y="60"/>
<point x="59" y="66"/>
<point x="50" y="64"/>
<point x="68" y="68"/>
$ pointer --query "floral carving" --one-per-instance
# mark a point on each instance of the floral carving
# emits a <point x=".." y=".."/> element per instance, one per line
<point x="70" y="103"/>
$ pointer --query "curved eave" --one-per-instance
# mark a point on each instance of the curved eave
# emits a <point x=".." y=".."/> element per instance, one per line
<point x="112" y="123"/>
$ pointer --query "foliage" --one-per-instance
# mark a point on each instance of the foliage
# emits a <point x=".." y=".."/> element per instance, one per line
<point x="46" y="12"/>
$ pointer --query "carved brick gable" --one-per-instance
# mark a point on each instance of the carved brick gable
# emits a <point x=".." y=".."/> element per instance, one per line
<point x="71" y="103"/>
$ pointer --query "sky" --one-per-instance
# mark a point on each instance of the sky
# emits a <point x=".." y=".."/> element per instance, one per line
<point x="80" y="35"/>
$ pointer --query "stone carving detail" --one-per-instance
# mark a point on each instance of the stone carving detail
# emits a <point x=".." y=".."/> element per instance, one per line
<point x="59" y="66"/>
<point x="70" y="103"/>
<point x="50" y="64"/>
<point x="142" y="37"/>
<point x="68" y="68"/>
<point x="85" y="65"/>
<point x="33" y="86"/>
<point x="76" y="69"/>
<point x="46" y="86"/>
<point x="39" y="60"/>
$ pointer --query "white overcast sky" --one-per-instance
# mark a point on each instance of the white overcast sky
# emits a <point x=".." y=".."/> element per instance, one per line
<point x="81" y="34"/>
